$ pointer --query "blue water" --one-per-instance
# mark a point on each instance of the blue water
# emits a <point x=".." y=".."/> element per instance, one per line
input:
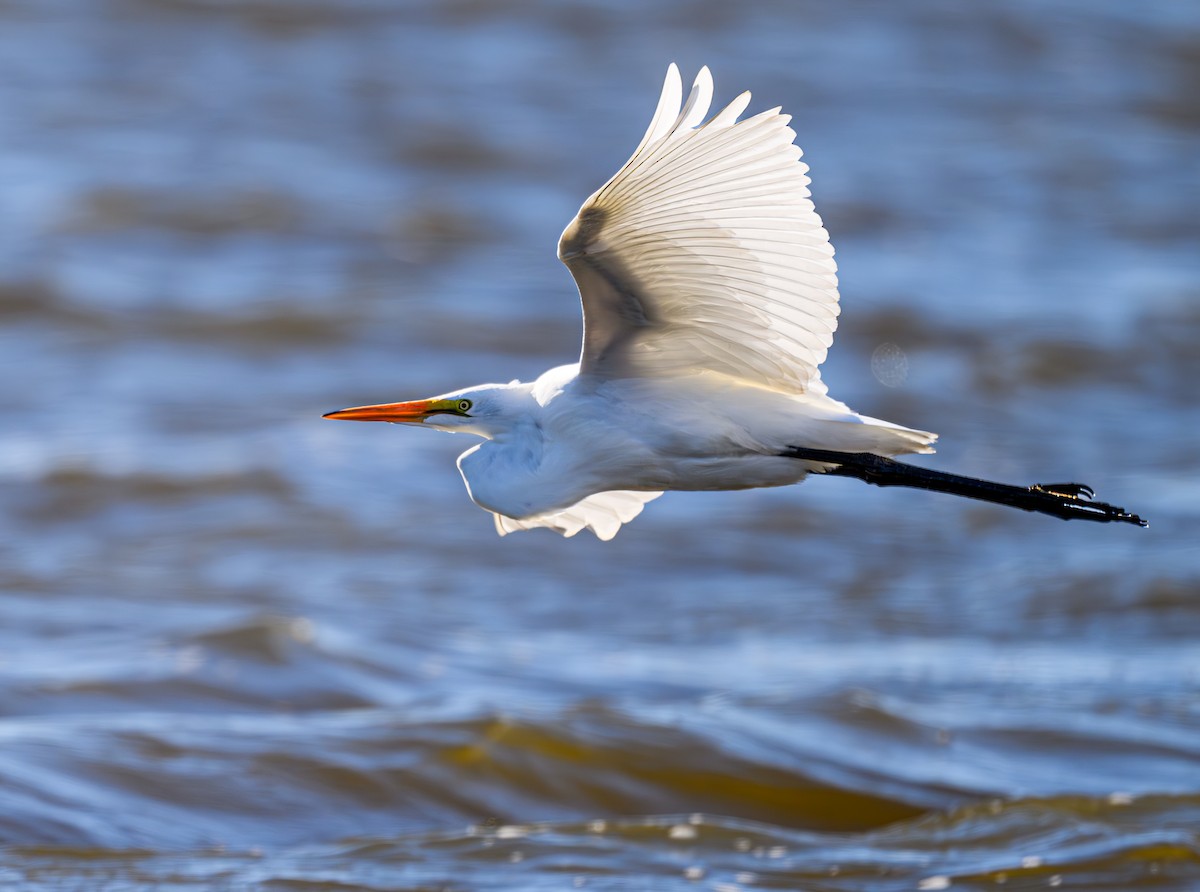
<point x="245" y="648"/>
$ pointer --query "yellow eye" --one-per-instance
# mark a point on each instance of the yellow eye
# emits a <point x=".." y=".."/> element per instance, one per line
<point x="464" y="405"/>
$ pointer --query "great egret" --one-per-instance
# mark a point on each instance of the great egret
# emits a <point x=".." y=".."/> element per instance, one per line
<point x="709" y="301"/>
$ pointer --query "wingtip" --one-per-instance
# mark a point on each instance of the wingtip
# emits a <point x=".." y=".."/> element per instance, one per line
<point x="695" y="109"/>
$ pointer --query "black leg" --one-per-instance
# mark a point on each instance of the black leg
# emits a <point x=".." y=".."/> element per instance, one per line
<point x="1070" y="501"/>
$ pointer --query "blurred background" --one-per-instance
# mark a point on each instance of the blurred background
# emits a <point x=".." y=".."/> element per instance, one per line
<point x="242" y="647"/>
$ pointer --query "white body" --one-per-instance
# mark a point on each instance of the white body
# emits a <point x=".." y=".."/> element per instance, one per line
<point x="589" y="453"/>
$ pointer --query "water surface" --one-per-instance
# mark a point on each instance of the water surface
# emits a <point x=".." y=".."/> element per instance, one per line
<point x="245" y="648"/>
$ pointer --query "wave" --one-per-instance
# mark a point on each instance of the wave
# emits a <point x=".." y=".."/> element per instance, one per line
<point x="1110" y="842"/>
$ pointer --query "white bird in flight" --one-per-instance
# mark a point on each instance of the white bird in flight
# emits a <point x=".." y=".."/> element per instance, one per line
<point x="710" y="300"/>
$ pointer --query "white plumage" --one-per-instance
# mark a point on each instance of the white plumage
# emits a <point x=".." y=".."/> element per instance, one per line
<point x="709" y="301"/>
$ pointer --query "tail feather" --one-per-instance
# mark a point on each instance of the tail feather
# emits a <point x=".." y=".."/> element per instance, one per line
<point x="874" y="435"/>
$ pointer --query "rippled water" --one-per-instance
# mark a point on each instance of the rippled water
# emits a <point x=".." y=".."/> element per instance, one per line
<point x="245" y="648"/>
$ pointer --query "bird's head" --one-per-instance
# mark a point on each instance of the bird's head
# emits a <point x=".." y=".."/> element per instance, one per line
<point x="486" y="411"/>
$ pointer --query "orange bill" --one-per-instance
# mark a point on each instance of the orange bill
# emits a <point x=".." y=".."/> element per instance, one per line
<point x="401" y="413"/>
<point x="413" y="412"/>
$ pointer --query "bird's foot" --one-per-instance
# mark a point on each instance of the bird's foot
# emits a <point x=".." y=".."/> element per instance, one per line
<point x="1081" y="497"/>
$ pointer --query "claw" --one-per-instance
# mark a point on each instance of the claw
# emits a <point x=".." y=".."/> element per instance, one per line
<point x="1066" y="490"/>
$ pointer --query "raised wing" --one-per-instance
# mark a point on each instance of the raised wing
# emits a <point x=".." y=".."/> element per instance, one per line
<point x="704" y="252"/>
<point x="602" y="513"/>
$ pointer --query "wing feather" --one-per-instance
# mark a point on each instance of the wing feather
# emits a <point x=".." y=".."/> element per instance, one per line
<point x="704" y="251"/>
<point x="668" y="104"/>
<point x="603" y="513"/>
